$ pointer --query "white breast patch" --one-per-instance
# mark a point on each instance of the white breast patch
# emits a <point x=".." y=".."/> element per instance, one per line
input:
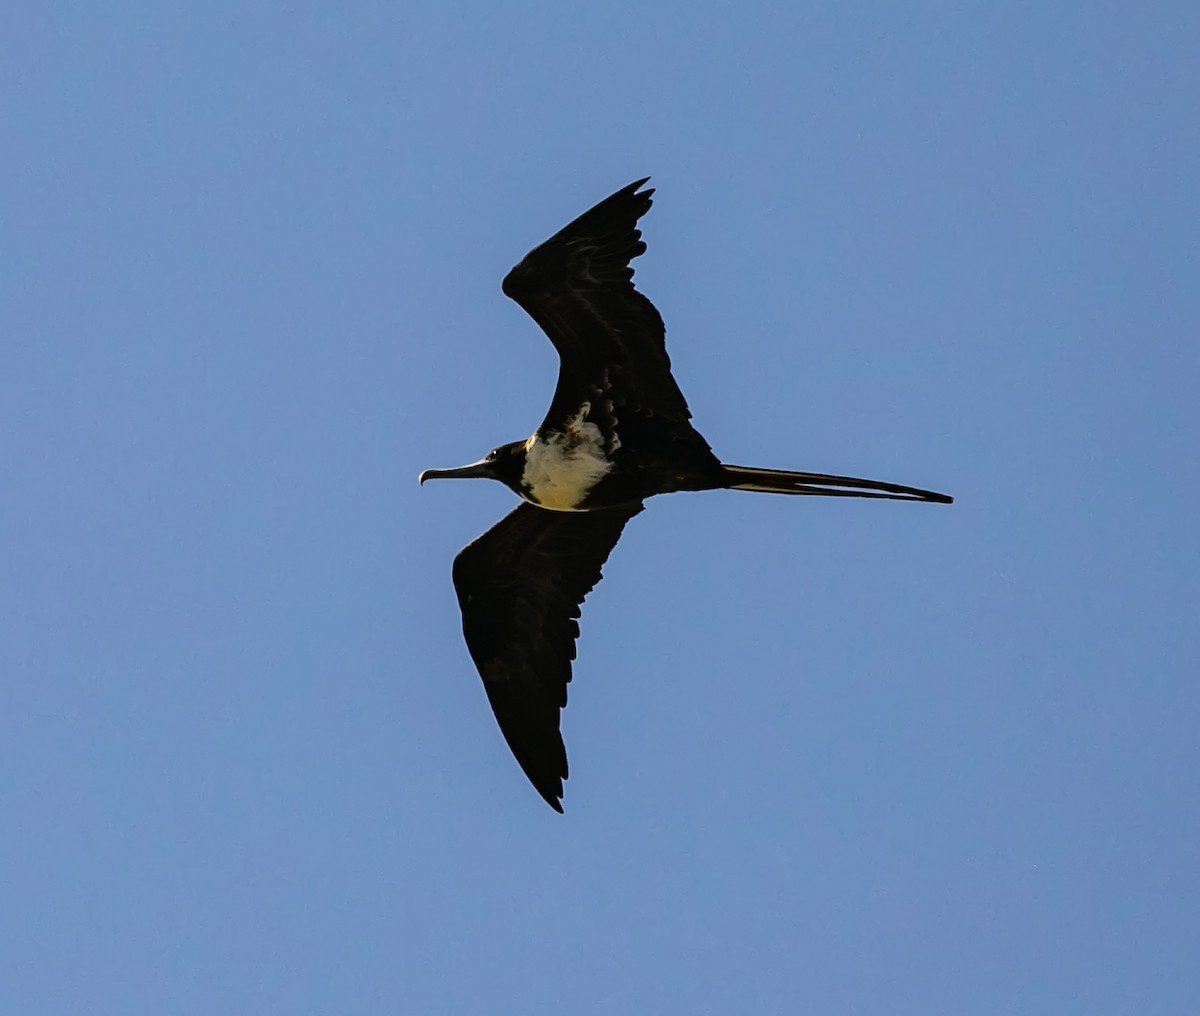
<point x="562" y="470"/>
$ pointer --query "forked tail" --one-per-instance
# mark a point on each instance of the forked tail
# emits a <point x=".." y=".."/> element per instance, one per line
<point x="782" y="481"/>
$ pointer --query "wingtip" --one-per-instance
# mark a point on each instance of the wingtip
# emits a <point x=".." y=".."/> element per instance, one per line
<point x="551" y="794"/>
<point x="635" y="190"/>
<point x="550" y="786"/>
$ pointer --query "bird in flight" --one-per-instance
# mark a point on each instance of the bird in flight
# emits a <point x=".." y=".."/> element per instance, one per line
<point x="618" y="431"/>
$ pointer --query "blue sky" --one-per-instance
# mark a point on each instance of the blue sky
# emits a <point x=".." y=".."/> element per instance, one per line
<point x="827" y="756"/>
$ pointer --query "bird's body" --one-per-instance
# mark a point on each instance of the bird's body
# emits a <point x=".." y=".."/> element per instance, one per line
<point x="564" y="467"/>
<point x="618" y="431"/>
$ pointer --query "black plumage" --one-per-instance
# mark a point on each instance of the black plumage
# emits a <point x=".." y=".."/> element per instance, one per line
<point x="520" y="586"/>
<point x="617" y="432"/>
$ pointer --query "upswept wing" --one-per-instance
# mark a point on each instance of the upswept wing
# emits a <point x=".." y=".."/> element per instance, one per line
<point x="519" y="586"/>
<point x="578" y="286"/>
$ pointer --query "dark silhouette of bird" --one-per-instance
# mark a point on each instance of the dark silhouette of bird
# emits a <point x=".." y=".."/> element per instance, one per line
<point x="618" y="431"/>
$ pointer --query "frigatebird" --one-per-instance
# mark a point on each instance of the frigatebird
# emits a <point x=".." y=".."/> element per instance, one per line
<point x="618" y="431"/>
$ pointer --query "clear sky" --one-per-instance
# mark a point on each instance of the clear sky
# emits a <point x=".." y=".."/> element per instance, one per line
<point x="828" y="756"/>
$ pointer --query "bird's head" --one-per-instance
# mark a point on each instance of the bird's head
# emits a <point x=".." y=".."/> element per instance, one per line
<point x="506" y="464"/>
